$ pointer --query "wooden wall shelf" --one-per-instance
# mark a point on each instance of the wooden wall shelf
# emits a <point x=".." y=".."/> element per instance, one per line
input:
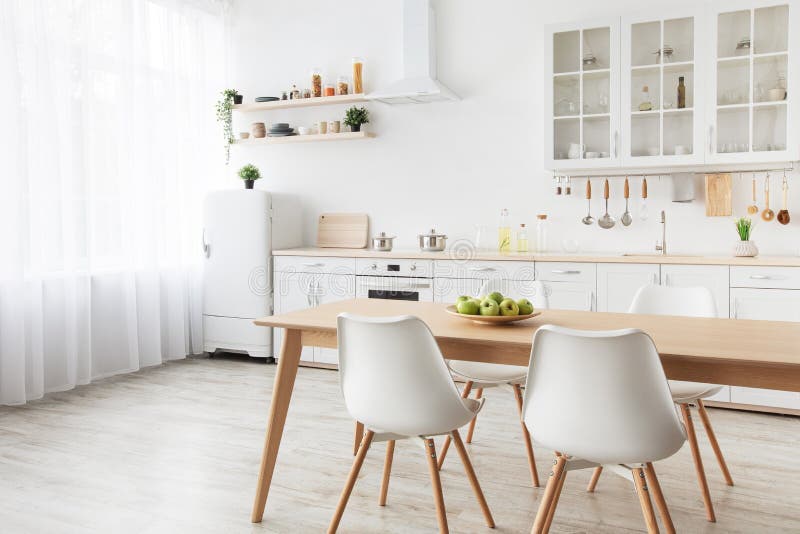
<point x="343" y="136"/>
<point x="301" y="103"/>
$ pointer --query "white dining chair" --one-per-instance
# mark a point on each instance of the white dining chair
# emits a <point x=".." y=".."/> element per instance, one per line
<point x="690" y="302"/>
<point x="601" y="398"/>
<point x="395" y="382"/>
<point x="482" y="375"/>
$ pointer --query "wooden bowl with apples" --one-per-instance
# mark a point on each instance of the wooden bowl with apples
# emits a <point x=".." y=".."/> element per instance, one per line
<point x="494" y="308"/>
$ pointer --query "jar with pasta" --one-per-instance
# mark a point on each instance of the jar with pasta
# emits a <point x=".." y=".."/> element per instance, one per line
<point x="316" y="82"/>
<point x="342" y="86"/>
<point x="358" y="75"/>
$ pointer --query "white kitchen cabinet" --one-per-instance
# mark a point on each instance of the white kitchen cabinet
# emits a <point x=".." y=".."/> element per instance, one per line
<point x="713" y="277"/>
<point x="752" y="47"/>
<point x="293" y="292"/>
<point x="582" y="75"/>
<point x="330" y="288"/>
<point x="656" y="52"/>
<point x="569" y="296"/>
<point x="769" y="305"/>
<point x="617" y="283"/>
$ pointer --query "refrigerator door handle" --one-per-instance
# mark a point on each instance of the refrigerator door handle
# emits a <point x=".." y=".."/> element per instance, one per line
<point x="206" y="246"/>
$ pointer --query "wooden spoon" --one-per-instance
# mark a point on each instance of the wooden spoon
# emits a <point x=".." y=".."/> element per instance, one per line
<point x="753" y="209"/>
<point x="783" y="215"/>
<point x="767" y="214"/>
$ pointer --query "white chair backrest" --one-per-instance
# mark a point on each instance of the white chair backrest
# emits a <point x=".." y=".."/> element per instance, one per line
<point x="600" y="396"/>
<point x="666" y="300"/>
<point x="533" y="290"/>
<point x="393" y="376"/>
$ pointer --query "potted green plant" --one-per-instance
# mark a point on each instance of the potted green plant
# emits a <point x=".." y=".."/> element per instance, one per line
<point x="225" y="116"/>
<point x="745" y="248"/>
<point x="355" y="117"/>
<point x="249" y="173"/>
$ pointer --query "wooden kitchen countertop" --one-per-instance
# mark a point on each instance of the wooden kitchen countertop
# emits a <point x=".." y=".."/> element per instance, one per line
<point x="760" y="261"/>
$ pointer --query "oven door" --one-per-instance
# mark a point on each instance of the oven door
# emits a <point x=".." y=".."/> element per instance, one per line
<point x="394" y="288"/>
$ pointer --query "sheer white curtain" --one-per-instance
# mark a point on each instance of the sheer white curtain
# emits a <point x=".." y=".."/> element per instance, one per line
<point x="108" y="143"/>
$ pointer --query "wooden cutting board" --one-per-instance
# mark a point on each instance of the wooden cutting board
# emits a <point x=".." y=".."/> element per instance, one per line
<point x="718" y="195"/>
<point x="343" y="230"/>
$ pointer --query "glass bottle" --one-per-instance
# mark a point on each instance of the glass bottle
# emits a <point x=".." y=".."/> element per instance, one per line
<point x="504" y="232"/>
<point x="522" y="239"/>
<point x="541" y="232"/>
<point x="681" y="93"/>
<point x="645" y="104"/>
<point x="358" y="75"/>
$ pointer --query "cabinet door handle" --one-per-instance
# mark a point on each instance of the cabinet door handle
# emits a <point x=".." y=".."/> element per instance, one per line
<point x="564" y="271"/>
<point x="735" y="306"/>
<point x="313" y="265"/>
<point x="766" y="277"/>
<point x="591" y="301"/>
<point x="616" y="143"/>
<point x="206" y="246"/>
<point x="711" y="139"/>
<point x="482" y="269"/>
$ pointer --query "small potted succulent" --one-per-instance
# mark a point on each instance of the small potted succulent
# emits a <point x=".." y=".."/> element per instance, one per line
<point x="745" y="248"/>
<point x="224" y="110"/>
<point x="355" y="117"/>
<point x="249" y="173"/>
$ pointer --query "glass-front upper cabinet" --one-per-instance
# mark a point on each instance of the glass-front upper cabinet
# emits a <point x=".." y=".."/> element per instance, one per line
<point x="582" y="95"/>
<point x="662" y="88"/>
<point x="751" y="82"/>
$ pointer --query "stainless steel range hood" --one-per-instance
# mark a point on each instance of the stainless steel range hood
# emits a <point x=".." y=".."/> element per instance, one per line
<point x="419" y="83"/>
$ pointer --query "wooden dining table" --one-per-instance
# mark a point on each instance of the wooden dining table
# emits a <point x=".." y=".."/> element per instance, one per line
<point x="760" y="354"/>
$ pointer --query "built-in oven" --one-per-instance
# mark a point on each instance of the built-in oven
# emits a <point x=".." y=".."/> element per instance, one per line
<point x="394" y="279"/>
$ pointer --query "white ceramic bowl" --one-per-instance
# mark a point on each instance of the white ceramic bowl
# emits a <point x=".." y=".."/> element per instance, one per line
<point x="303" y="130"/>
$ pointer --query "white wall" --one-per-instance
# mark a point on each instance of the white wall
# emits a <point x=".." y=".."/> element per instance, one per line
<point x="448" y="165"/>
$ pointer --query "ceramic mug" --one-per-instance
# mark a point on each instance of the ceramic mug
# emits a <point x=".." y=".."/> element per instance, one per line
<point x="334" y="126"/>
<point x="575" y="151"/>
<point x="322" y="127"/>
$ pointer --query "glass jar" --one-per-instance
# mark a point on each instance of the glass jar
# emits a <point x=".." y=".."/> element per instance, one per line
<point x="522" y="239"/>
<point x="342" y="85"/>
<point x="329" y="90"/>
<point x="316" y="82"/>
<point x="541" y="232"/>
<point x="358" y="75"/>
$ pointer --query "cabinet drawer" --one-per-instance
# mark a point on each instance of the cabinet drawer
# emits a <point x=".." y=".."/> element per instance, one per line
<point x="509" y="270"/>
<point x="766" y="277"/>
<point x="394" y="267"/>
<point x="314" y="264"/>
<point x="585" y="273"/>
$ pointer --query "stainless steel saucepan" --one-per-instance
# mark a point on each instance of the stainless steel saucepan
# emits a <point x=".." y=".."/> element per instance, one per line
<point x="432" y="242"/>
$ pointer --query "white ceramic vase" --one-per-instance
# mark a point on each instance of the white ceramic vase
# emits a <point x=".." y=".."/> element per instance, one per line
<point x="745" y="249"/>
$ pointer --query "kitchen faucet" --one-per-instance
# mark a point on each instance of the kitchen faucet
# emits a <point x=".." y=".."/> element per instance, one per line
<point x="663" y="246"/>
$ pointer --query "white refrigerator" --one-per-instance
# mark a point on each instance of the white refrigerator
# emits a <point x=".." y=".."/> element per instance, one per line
<point x="240" y="229"/>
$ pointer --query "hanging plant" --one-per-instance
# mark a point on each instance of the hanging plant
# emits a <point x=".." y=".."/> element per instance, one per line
<point x="225" y="116"/>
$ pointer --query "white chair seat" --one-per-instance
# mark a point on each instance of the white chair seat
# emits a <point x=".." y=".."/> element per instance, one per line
<point x="488" y="373"/>
<point x="690" y="391"/>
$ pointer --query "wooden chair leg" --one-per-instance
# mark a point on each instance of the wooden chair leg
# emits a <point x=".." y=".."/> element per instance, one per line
<point x="644" y="500"/>
<point x="446" y="445"/>
<point x="658" y="497"/>
<point x="549" y="493"/>
<point x="387" y="471"/>
<point x="358" y="435"/>
<point x="526" y="436"/>
<point x="552" y="511"/>
<point x="436" y="483"/>
<point x="473" y="480"/>
<point x="351" y="481"/>
<point x="471" y="429"/>
<point x="712" y="438"/>
<point x="698" y="462"/>
<point x="595" y="478"/>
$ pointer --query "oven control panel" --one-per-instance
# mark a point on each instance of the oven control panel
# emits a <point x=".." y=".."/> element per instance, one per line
<point x="394" y="267"/>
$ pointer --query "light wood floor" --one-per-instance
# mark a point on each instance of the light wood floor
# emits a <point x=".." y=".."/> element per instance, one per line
<point x="176" y="448"/>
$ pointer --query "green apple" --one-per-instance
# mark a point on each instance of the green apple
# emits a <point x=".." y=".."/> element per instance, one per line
<point x="476" y="300"/>
<point x="462" y="297"/>
<point x="489" y="307"/>
<point x="496" y="296"/>
<point x="509" y="307"/>
<point x="468" y="307"/>
<point x="525" y="307"/>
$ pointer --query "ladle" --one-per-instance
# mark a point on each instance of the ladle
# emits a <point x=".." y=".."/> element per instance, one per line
<point x="606" y="221"/>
